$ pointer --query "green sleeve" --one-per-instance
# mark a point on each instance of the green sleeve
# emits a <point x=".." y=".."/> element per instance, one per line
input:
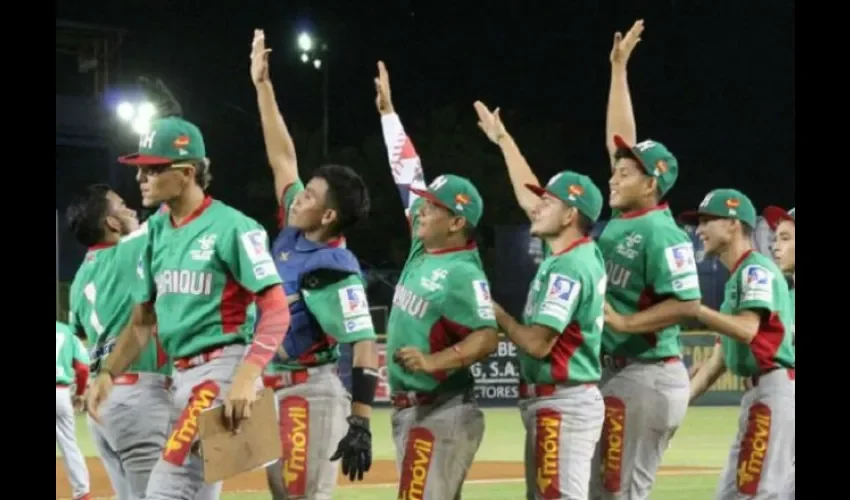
<point x="758" y="288"/>
<point x="468" y="302"/>
<point x="670" y="265"/>
<point x="244" y="250"/>
<point x="143" y="288"/>
<point x="73" y="301"/>
<point x="80" y="353"/>
<point x="563" y="294"/>
<point x="342" y="310"/>
<point x="416" y="246"/>
<point x="287" y="198"/>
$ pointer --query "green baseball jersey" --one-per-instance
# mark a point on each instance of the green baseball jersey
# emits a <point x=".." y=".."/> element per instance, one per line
<point x="648" y="259"/>
<point x="69" y="350"/>
<point x="756" y="284"/>
<point x="339" y="306"/>
<point x="101" y="304"/>
<point x="203" y="276"/>
<point x="793" y="292"/>
<point x="440" y="298"/>
<point x="568" y="296"/>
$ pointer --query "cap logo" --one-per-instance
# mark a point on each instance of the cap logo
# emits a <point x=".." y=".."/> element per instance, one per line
<point x="661" y="167"/>
<point x="461" y="199"/>
<point x="733" y="203"/>
<point x="644" y="145"/>
<point x="146" y="140"/>
<point x="181" y="141"/>
<point x="575" y="190"/>
<point x="438" y="183"/>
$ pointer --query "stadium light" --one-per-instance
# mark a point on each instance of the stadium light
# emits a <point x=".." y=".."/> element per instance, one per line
<point x="139" y="115"/>
<point x="305" y="42"/>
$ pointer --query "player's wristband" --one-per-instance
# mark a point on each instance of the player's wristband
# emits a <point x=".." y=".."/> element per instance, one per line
<point x="364" y="381"/>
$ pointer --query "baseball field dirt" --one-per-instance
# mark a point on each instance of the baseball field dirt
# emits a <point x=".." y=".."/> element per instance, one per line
<point x="383" y="472"/>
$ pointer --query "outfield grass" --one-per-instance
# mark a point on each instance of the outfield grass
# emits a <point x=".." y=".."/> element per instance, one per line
<point x="702" y="441"/>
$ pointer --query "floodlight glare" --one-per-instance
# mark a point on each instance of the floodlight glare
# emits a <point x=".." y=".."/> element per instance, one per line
<point x="317" y="63"/>
<point x="146" y="110"/>
<point x="141" y="125"/>
<point x="305" y="58"/>
<point x="126" y="111"/>
<point x="305" y="42"/>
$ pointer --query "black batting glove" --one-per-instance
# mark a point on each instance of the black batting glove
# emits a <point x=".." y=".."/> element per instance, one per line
<point x="355" y="449"/>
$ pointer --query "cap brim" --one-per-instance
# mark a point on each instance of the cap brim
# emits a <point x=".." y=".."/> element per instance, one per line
<point x="139" y="159"/>
<point x="534" y="188"/>
<point x="773" y="215"/>
<point x="621" y="143"/>
<point x="691" y="218"/>
<point x="428" y="195"/>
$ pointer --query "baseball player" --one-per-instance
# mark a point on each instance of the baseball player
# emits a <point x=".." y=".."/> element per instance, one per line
<point x="784" y="227"/>
<point x="203" y="274"/>
<point x="652" y="286"/>
<point x="100" y="306"/>
<point x="559" y="338"/>
<point x="754" y="323"/>
<point x="328" y="306"/>
<point x="72" y="367"/>
<point x="442" y="321"/>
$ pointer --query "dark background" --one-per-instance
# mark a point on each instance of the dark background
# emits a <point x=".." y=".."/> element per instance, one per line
<point x="713" y="80"/>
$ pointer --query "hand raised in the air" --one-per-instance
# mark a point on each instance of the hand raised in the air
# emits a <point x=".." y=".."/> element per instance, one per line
<point x="490" y="122"/>
<point x="383" y="96"/>
<point x="624" y="45"/>
<point x="259" y="58"/>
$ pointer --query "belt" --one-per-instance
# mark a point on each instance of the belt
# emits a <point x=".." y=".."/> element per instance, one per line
<point x="545" y="390"/>
<point x="403" y="400"/>
<point x="199" y="359"/>
<point x="62" y="386"/>
<point x="295" y="377"/>
<point x="620" y="362"/>
<point x="753" y="381"/>
<point x="133" y="378"/>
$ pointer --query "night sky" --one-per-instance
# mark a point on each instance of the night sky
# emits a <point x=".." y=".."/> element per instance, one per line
<point x="713" y="80"/>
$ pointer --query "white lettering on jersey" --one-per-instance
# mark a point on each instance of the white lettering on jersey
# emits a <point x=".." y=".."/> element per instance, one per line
<point x="183" y="282"/>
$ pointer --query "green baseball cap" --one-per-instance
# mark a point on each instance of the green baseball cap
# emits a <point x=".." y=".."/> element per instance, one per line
<point x="774" y="215"/>
<point x="574" y="189"/>
<point x="169" y="140"/>
<point x="657" y="161"/>
<point x="456" y="194"/>
<point x="726" y="203"/>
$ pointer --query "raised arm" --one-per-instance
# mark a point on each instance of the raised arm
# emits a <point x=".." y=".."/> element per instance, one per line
<point x="620" y="117"/>
<point x="404" y="161"/>
<point x="280" y="149"/>
<point x="518" y="169"/>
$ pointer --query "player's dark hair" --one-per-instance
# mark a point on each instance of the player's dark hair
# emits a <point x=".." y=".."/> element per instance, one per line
<point x="202" y="172"/>
<point x="469" y="232"/>
<point x="347" y="194"/>
<point x="746" y="229"/>
<point x="86" y="213"/>
<point x="585" y="225"/>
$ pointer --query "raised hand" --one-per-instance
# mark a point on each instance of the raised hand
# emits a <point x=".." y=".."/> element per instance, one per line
<point x="489" y="122"/>
<point x="383" y="95"/>
<point x="624" y="45"/>
<point x="259" y="58"/>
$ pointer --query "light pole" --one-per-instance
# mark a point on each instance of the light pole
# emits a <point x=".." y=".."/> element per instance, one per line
<point x="311" y="54"/>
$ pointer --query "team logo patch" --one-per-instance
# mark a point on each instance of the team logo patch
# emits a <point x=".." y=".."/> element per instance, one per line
<point x="547" y="447"/>
<point x="353" y="301"/>
<point x="294" y="435"/>
<point x="613" y="437"/>
<point x="483" y="299"/>
<point x="562" y="290"/>
<point x="754" y="449"/>
<point x="180" y="441"/>
<point x="416" y="464"/>
<point x="757" y="284"/>
<point x="255" y="245"/>
<point x="680" y="259"/>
